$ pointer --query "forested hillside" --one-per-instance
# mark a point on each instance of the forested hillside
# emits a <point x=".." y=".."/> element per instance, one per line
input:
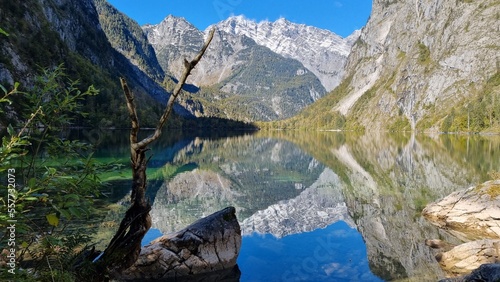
<point x="127" y="37"/>
<point x="47" y="34"/>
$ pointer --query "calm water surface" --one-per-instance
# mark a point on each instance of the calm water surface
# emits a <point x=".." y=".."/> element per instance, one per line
<point x="314" y="206"/>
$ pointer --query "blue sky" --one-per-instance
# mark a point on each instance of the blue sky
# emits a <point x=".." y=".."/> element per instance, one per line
<point x="339" y="16"/>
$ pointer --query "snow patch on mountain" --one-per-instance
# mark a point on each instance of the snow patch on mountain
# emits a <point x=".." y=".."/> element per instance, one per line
<point x="323" y="52"/>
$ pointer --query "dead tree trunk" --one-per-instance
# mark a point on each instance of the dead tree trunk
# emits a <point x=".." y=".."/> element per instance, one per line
<point x="124" y="248"/>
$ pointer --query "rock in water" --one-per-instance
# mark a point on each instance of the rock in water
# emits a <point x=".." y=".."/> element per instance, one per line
<point x="467" y="257"/>
<point x="470" y="214"/>
<point x="486" y="273"/>
<point x="211" y="244"/>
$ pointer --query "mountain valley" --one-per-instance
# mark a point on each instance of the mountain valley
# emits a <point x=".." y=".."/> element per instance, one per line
<point x="249" y="77"/>
<point x="433" y="66"/>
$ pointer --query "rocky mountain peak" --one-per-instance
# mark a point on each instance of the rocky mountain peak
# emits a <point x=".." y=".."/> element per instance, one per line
<point x="172" y="29"/>
<point x="237" y="67"/>
<point x="323" y="52"/>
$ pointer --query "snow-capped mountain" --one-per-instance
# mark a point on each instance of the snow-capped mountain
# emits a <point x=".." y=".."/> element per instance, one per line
<point x="321" y="51"/>
<point x="172" y="40"/>
<point x="249" y="80"/>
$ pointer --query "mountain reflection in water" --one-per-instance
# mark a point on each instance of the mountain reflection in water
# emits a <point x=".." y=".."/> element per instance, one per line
<point x="321" y="206"/>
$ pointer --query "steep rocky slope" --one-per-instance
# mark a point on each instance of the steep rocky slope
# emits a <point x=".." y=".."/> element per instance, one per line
<point x="47" y="33"/>
<point x="127" y="37"/>
<point x="173" y="40"/>
<point x="322" y="52"/>
<point x="422" y="64"/>
<point x="248" y="81"/>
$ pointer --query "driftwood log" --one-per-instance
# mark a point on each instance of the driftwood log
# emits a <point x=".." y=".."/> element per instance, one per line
<point x="210" y="245"/>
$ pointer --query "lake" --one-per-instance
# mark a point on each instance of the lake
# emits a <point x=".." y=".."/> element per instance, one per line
<point x="313" y="206"/>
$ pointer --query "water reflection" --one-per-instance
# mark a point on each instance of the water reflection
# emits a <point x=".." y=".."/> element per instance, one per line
<point x="249" y="173"/>
<point x="334" y="253"/>
<point x="391" y="180"/>
<point x="293" y="189"/>
<point x="318" y="206"/>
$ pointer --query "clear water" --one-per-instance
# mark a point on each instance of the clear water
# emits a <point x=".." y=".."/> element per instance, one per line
<point x="314" y="206"/>
<point x="334" y="253"/>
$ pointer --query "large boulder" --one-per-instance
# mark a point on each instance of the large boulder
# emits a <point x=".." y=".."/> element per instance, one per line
<point x="464" y="258"/>
<point x="210" y="245"/>
<point x="469" y="214"/>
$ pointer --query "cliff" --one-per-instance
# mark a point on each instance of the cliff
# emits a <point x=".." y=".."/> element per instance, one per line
<point x="429" y="65"/>
<point x="48" y="33"/>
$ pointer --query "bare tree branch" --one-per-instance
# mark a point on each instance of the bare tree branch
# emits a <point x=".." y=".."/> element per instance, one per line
<point x="187" y="71"/>
<point x="131" y="110"/>
<point x="125" y="246"/>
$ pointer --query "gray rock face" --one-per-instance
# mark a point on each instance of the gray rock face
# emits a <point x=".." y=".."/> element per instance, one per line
<point x="322" y="52"/>
<point x="470" y="214"/>
<point x="173" y="40"/>
<point x="210" y="244"/>
<point x="421" y="56"/>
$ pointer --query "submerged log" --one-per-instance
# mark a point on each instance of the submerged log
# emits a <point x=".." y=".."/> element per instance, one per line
<point x="210" y="245"/>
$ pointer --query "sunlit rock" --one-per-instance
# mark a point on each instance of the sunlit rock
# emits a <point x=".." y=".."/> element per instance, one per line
<point x="471" y="214"/>
<point x="467" y="257"/>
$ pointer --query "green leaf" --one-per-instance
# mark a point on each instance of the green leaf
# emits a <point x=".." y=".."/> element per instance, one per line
<point x="32" y="182"/>
<point x="10" y="130"/>
<point x="66" y="214"/>
<point x="75" y="211"/>
<point x="30" y="198"/>
<point x="71" y="197"/>
<point x="52" y="219"/>
<point x="50" y="171"/>
<point x="3" y="32"/>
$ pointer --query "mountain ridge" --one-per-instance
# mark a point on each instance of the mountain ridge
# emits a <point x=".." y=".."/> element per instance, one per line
<point x="249" y="81"/>
<point x="48" y="33"/>
<point x="433" y="66"/>
<point x="321" y="51"/>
